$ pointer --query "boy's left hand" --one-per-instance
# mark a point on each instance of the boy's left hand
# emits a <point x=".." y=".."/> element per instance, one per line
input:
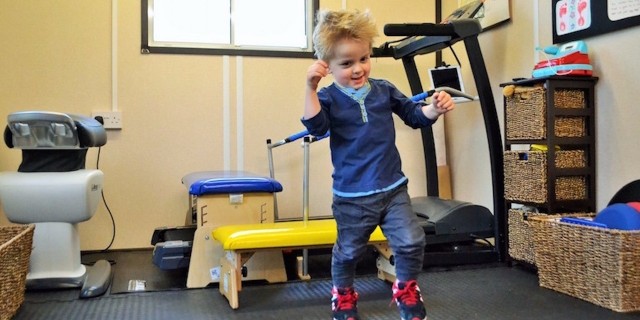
<point x="442" y="102"/>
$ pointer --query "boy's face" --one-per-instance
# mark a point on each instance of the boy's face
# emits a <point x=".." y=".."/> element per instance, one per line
<point x="351" y="63"/>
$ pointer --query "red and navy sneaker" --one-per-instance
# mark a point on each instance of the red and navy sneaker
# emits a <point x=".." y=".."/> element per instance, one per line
<point x="407" y="297"/>
<point x="344" y="304"/>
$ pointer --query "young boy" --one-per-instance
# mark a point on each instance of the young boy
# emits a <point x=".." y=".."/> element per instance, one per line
<point x="368" y="184"/>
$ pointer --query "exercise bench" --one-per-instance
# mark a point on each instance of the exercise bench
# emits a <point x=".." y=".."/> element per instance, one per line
<point x="241" y="242"/>
<point x="218" y="198"/>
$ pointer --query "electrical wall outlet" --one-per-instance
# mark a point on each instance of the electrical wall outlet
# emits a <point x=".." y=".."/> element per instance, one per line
<point x="112" y="119"/>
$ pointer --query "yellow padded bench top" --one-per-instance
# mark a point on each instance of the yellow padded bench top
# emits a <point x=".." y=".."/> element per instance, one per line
<point x="293" y="234"/>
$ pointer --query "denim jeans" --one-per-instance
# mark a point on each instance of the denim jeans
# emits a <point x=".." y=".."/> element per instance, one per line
<point x="358" y="217"/>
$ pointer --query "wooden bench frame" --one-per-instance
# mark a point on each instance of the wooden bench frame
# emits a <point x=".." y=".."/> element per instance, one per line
<point x="215" y="210"/>
<point x="234" y="259"/>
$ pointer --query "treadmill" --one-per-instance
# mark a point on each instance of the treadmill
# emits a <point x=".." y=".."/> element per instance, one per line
<point x="454" y="227"/>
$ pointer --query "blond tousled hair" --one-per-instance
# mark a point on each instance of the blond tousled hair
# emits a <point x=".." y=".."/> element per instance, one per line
<point x="332" y="26"/>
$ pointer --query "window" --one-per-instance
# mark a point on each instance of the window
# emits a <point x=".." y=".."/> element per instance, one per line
<point x="280" y="28"/>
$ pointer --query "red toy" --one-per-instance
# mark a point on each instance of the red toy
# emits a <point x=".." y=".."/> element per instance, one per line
<point x="568" y="59"/>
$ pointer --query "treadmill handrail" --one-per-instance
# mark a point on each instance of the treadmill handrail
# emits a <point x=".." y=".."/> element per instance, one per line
<point x="425" y="37"/>
<point x="412" y="46"/>
<point x="418" y="29"/>
<point x="457" y="28"/>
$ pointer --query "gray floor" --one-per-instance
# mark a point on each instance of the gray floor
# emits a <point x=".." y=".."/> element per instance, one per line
<point x="484" y="292"/>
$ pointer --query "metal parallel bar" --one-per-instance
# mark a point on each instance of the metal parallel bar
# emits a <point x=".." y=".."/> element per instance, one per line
<point x="305" y="200"/>
<point x="272" y="176"/>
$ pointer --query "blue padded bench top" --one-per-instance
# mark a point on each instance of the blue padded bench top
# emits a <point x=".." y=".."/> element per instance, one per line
<point x="219" y="182"/>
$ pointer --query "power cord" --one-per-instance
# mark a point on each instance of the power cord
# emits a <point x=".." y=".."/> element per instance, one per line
<point x="104" y="200"/>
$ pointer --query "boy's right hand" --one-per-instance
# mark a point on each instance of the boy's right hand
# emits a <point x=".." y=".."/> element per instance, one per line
<point x="318" y="70"/>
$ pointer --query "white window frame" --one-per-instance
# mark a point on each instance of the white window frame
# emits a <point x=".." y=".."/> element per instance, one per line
<point x="149" y="45"/>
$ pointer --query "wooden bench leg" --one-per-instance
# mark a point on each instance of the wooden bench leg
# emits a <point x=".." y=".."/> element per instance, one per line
<point x="386" y="270"/>
<point x="228" y="282"/>
<point x="231" y="275"/>
<point x="205" y="256"/>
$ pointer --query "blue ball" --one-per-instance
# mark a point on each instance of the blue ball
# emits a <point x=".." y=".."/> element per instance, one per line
<point x="619" y="216"/>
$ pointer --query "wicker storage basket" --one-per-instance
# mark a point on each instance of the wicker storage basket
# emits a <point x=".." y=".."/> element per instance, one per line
<point x="569" y="98"/>
<point x="525" y="176"/>
<point x="521" y="243"/>
<point x="594" y="264"/>
<point x="15" y="249"/>
<point x="521" y="235"/>
<point x="570" y="127"/>
<point x="526" y="115"/>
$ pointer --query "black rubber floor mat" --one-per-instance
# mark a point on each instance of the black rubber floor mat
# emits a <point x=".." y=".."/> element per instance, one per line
<point x="472" y="293"/>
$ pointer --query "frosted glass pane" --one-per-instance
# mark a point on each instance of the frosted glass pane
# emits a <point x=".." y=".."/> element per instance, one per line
<point x="195" y="21"/>
<point x="270" y="23"/>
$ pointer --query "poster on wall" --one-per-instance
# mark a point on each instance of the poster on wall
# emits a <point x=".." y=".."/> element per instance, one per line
<point x="580" y="19"/>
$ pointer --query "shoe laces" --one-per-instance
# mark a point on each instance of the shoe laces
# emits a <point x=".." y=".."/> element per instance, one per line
<point x="345" y="299"/>
<point x="406" y="293"/>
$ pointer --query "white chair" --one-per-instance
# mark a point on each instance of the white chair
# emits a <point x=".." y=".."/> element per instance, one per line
<point x="53" y="190"/>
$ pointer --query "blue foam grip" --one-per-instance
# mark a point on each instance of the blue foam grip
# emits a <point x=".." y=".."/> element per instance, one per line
<point x="421" y="96"/>
<point x="619" y="216"/>
<point x="225" y="182"/>
<point x="297" y="136"/>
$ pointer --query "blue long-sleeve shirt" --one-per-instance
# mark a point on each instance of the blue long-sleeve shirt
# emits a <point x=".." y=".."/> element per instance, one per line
<point x="363" y="151"/>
